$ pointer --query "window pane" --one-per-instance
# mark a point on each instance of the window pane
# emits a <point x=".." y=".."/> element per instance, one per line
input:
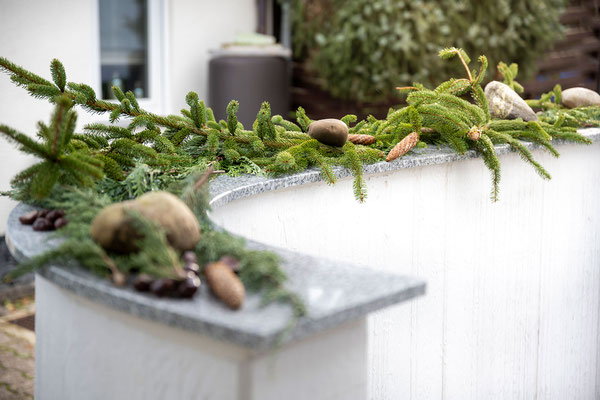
<point x="124" y="46"/>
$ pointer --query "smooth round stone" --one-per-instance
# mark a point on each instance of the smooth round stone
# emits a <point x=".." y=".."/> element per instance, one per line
<point x="580" y="97"/>
<point x="332" y="132"/>
<point x="505" y="103"/>
<point x="112" y="228"/>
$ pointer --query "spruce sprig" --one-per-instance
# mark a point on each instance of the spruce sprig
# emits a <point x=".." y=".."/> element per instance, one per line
<point x="61" y="161"/>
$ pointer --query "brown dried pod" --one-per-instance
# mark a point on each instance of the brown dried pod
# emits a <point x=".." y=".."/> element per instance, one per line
<point x="55" y="214"/>
<point x="42" y="224"/>
<point x="60" y="222"/>
<point x="43" y="213"/>
<point x="225" y="284"/>
<point x="403" y="146"/>
<point x="189" y="257"/>
<point x="142" y="282"/>
<point x="231" y="262"/>
<point x="192" y="267"/>
<point x="188" y="287"/>
<point x="29" y="218"/>
<point x="362" y="139"/>
<point x="162" y="287"/>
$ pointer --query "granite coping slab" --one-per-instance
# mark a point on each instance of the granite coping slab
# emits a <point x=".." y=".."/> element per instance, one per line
<point x="333" y="292"/>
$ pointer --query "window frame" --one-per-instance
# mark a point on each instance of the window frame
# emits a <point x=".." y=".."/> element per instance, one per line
<point x="157" y="48"/>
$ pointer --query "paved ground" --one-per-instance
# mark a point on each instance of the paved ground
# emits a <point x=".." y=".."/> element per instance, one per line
<point x="16" y="343"/>
<point x="16" y="362"/>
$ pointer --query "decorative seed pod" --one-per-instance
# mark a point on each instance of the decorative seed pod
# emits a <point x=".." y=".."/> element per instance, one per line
<point x="162" y="287"/>
<point x="55" y="214"/>
<point x="225" y="284"/>
<point x="142" y="282"/>
<point x="60" y="222"/>
<point x="332" y="132"/>
<point x="189" y="257"/>
<point x="29" y="218"/>
<point x="362" y="139"/>
<point x="42" y="224"/>
<point x="188" y="287"/>
<point x="192" y="267"/>
<point x="231" y="262"/>
<point x="403" y="146"/>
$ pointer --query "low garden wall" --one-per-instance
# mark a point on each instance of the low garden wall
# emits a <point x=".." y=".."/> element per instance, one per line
<point x="513" y="303"/>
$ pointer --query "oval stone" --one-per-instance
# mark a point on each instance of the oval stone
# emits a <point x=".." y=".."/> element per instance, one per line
<point x="505" y="103"/>
<point x="580" y="97"/>
<point x="113" y="230"/>
<point x="332" y="132"/>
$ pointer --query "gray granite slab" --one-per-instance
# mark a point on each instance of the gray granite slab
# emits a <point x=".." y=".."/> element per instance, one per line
<point x="334" y="292"/>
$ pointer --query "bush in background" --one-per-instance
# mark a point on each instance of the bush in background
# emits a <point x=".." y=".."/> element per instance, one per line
<point x="363" y="49"/>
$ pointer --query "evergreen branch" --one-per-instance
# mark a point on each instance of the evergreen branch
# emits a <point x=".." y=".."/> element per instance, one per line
<point x="58" y="74"/>
<point x="522" y="150"/>
<point x="27" y="144"/>
<point x="22" y="73"/>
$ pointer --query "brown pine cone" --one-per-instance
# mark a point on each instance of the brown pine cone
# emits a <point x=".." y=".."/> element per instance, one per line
<point x="474" y="133"/>
<point x="225" y="284"/>
<point x="403" y="146"/>
<point x="361" y="139"/>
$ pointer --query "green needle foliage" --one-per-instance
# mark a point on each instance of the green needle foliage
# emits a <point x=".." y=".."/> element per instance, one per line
<point x="62" y="160"/>
<point x="363" y="49"/>
<point x="455" y="113"/>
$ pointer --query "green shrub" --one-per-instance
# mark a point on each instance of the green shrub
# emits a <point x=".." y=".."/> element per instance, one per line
<point x="363" y="49"/>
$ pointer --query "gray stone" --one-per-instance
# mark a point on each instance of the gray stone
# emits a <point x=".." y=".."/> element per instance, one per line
<point x="505" y="103"/>
<point x="332" y="132"/>
<point x="580" y="97"/>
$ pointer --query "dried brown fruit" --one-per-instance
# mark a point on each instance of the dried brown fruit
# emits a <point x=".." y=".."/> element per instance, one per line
<point x="162" y="287"/>
<point x="189" y="257"/>
<point x="42" y="224"/>
<point x="188" y="287"/>
<point x="142" y="282"/>
<point x="231" y="262"/>
<point x="225" y="284"/>
<point x="29" y="218"/>
<point x="55" y="214"/>
<point x="60" y="222"/>
<point x="192" y="267"/>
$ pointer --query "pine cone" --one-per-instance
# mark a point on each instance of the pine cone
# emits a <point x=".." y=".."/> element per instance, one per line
<point x="361" y="139"/>
<point x="225" y="284"/>
<point x="474" y="133"/>
<point x="403" y="146"/>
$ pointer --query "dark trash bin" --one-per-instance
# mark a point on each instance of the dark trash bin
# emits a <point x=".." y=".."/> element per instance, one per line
<point x="250" y="78"/>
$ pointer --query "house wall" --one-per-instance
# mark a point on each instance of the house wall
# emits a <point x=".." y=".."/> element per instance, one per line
<point x="34" y="32"/>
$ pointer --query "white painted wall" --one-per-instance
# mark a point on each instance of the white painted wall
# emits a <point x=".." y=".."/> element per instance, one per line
<point x="33" y="32"/>
<point x="512" y="304"/>
<point x="88" y="351"/>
